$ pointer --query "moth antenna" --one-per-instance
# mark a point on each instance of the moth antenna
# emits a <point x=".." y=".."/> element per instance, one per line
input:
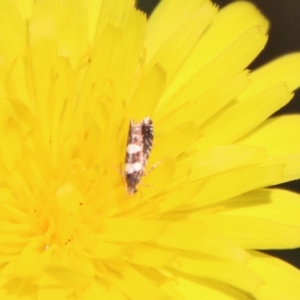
<point x="154" y="166"/>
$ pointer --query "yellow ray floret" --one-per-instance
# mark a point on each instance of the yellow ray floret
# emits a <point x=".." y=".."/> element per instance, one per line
<point x="73" y="75"/>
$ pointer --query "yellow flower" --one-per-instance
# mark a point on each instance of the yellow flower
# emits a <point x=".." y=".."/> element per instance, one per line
<point x="73" y="74"/>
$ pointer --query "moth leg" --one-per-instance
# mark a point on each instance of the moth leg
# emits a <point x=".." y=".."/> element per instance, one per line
<point x="154" y="166"/>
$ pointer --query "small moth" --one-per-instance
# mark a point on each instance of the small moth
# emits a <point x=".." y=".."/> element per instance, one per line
<point x="139" y="145"/>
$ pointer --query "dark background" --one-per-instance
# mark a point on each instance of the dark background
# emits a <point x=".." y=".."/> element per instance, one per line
<point x="284" y="37"/>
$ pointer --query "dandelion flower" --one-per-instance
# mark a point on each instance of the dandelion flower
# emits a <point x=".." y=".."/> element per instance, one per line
<point x="73" y="74"/>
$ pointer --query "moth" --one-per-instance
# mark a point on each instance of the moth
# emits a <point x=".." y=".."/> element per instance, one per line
<point x="139" y="145"/>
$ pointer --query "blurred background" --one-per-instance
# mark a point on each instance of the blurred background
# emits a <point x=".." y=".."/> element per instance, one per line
<point x="284" y="37"/>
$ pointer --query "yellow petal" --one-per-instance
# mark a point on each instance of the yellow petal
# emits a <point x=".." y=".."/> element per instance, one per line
<point x="60" y="110"/>
<point x="68" y="214"/>
<point x="114" y="13"/>
<point x="219" y="159"/>
<point x="219" y="38"/>
<point x="281" y="279"/>
<point x="273" y="204"/>
<point x="102" y="250"/>
<point x="51" y="292"/>
<point x="138" y="230"/>
<point x="43" y="47"/>
<point x="146" y="97"/>
<point x="283" y="69"/>
<point x="112" y="48"/>
<point x="25" y="8"/>
<point x="152" y="257"/>
<point x="255" y="110"/>
<point x="33" y="252"/>
<point x="209" y="289"/>
<point x="174" y="49"/>
<point x="132" y="282"/>
<point x="229" y="62"/>
<point x="199" y="108"/>
<point x="174" y="142"/>
<point x="278" y="134"/>
<point x="290" y="167"/>
<point x="195" y="237"/>
<point x="235" y="275"/>
<point x="223" y="31"/>
<point x="262" y="219"/>
<point x="72" y="18"/>
<point x="18" y="90"/>
<point x="12" y="34"/>
<point x="235" y="182"/>
<point x="97" y="291"/>
<point x="254" y="232"/>
<point x="159" y="27"/>
<point x="71" y="279"/>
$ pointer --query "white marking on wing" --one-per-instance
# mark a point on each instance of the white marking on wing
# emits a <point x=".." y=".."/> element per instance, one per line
<point x="131" y="168"/>
<point x="133" y="148"/>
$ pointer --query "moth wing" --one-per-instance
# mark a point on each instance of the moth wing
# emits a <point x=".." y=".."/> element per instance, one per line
<point x="147" y="132"/>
